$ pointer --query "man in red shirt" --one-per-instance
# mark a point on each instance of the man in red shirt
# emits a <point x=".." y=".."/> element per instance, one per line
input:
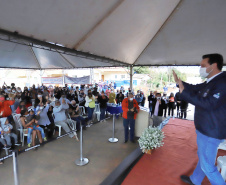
<point x="130" y="109"/>
<point x="5" y="110"/>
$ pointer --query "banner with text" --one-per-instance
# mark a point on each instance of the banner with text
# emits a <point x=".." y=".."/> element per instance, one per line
<point x="52" y="80"/>
<point x="81" y="80"/>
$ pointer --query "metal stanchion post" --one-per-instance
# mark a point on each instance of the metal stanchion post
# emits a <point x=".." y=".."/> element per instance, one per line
<point x="113" y="139"/>
<point x="81" y="161"/>
<point x="15" y="168"/>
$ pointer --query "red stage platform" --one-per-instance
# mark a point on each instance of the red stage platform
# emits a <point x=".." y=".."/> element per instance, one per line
<point x="177" y="157"/>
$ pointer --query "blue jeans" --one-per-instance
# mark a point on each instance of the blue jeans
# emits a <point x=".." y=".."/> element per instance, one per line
<point x="102" y="113"/>
<point x="41" y="130"/>
<point x="207" y="152"/>
<point x="79" y="120"/>
<point x="29" y="135"/>
<point x="129" y="123"/>
<point x="90" y="113"/>
<point x="30" y="131"/>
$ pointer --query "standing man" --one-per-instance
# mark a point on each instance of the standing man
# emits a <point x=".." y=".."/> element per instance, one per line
<point x="157" y="109"/>
<point x="178" y="103"/>
<point x="139" y="97"/>
<point x="150" y="101"/>
<point x="210" y="107"/>
<point x="130" y="109"/>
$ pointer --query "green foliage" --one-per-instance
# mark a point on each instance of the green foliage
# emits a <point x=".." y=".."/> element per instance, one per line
<point x="182" y="76"/>
<point x="141" y="70"/>
<point x="158" y="78"/>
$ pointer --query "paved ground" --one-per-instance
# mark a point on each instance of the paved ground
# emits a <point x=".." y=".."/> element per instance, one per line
<point x="54" y="164"/>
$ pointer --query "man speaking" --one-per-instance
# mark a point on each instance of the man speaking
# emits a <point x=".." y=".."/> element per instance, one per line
<point x="209" y="99"/>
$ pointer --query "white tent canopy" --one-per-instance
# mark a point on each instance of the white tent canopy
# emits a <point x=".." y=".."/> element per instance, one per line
<point x="120" y="32"/>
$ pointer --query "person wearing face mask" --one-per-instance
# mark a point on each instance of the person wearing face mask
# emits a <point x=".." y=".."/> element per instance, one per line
<point x="71" y="95"/>
<point x="63" y="96"/>
<point x="130" y="109"/>
<point x="61" y="119"/>
<point x="108" y="91"/>
<point x="81" y="98"/>
<point x="103" y="99"/>
<point x="74" y="113"/>
<point x="171" y="104"/>
<point x="21" y="106"/>
<point x="164" y="97"/>
<point x="158" y="105"/>
<point x="5" y="109"/>
<point x="25" y="96"/>
<point x="119" y="97"/>
<point x="178" y="103"/>
<point x="112" y="96"/>
<point x="210" y="107"/>
<point x="44" y="121"/>
<point x="139" y="97"/>
<point x="76" y="94"/>
<point x="90" y="105"/>
<point x="150" y="100"/>
<point x="28" y="125"/>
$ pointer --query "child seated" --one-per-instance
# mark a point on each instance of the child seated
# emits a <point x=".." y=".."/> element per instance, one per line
<point x="2" y="140"/>
<point x="30" y="121"/>
<point x="6" y="129"/>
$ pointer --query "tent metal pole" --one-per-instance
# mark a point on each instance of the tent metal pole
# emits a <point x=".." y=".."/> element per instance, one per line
<point x="131" y="77"/>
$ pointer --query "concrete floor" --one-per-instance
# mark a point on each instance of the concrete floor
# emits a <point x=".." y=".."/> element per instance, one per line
<point x="54" y="164"/>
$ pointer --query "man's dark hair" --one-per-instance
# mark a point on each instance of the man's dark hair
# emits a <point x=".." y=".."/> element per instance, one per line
<point x="158" y="94"/>
<point x="215" y="58"/>
<point x="23" y="112"/>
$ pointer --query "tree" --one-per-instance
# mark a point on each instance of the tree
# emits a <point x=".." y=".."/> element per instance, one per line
<point x="141" y="70"/>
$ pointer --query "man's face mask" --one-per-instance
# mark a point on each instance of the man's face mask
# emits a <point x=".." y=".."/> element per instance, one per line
<point x="203" y="73"/>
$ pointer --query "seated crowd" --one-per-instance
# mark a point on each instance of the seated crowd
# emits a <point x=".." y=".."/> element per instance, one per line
<point x="69" y="108"/>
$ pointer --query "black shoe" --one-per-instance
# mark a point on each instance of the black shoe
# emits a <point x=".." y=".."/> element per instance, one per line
<point x="125" y="141"/>
<point x="133" y="141"/>
<point x="186" y="179"/>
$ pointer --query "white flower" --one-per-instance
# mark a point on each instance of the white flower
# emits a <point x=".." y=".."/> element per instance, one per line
<point x="151" y="138"/>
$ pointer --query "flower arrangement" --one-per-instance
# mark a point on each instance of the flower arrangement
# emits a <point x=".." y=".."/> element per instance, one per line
<point x="151" y="138"/>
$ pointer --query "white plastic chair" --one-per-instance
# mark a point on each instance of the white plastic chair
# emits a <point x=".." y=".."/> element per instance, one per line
<point x="23" y="132"/>
<point x="97" y="111"/>
<point x="72" y="123"/>
<point x="221" y="165"/>
<point x="82" y="110"/>
<point x="59" y="127"/>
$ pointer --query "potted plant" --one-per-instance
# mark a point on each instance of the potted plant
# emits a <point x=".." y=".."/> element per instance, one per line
<point x="151" y="138"/>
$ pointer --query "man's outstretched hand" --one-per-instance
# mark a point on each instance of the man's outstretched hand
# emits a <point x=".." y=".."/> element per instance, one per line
<point x="178" y="81"/>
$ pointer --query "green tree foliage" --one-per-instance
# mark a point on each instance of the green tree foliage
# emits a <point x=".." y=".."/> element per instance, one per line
<point x="141" y="70"/>
<point x="158" y="78"/>
<point x="182" y="76"/>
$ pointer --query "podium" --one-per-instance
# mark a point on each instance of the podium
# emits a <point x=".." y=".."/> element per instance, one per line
<point x="142" y="121"/>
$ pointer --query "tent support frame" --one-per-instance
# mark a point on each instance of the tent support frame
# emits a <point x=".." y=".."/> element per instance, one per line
<point x="15" y="37"/>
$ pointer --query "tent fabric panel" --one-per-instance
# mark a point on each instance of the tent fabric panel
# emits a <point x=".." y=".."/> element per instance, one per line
<point x="64" y="22"/>
<point x="191" y="32"/>
<point x="79" y="62"/>
<point x="16" y="56"/>
<point x="50" y="59"/>
<point x="128" y="30"/>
